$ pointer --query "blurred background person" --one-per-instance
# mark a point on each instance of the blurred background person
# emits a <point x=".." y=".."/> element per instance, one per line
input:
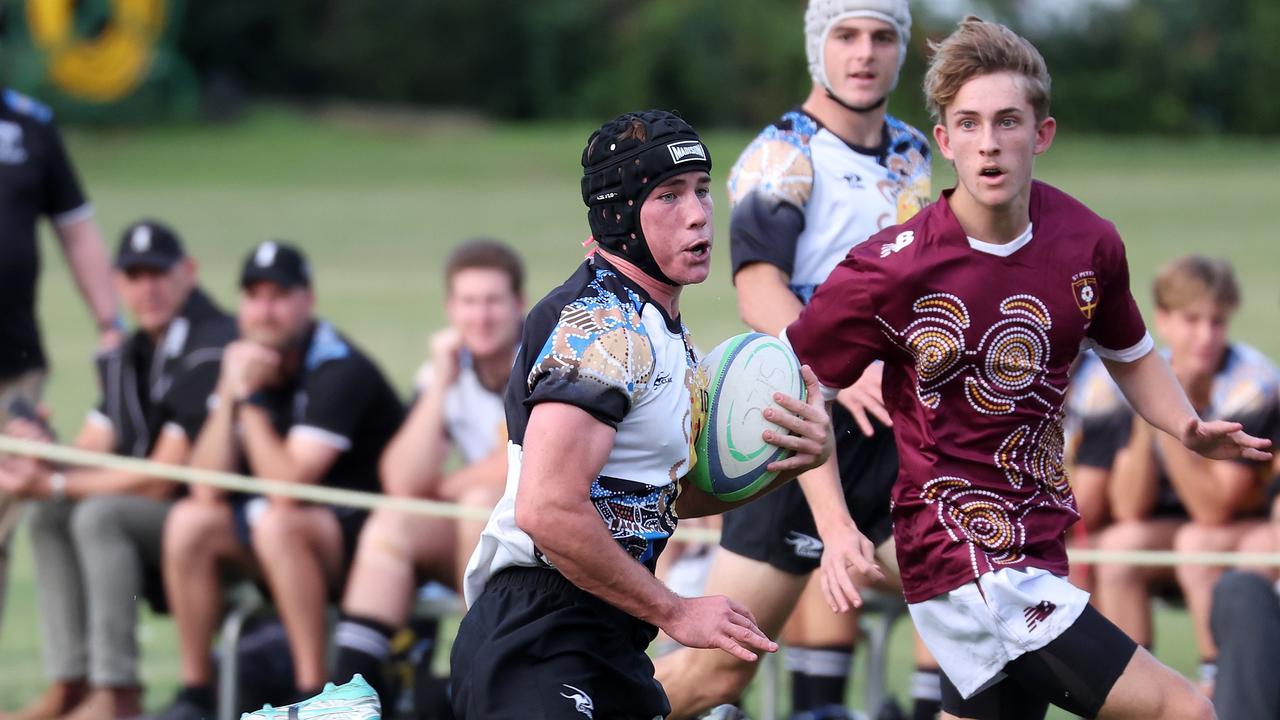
<point x="297" y="402"/>
<point x="459" y="406"/>
<point x="96" y="533"/>
<point x="1164" y="497"/>
<point x="37" y="179"/>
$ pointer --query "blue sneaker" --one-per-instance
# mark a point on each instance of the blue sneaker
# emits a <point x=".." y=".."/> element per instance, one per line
<point x="354" y="701"/>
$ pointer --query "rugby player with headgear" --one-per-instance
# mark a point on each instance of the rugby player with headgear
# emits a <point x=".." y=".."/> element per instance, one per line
<point x="602" y="410"/>
<point x="823" y="178"/>
<point x="978" y="305"/>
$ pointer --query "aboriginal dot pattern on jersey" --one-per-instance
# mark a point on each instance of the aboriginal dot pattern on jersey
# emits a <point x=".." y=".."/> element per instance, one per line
<point x="602" y="340"/>
<point x="1005" y="369"/>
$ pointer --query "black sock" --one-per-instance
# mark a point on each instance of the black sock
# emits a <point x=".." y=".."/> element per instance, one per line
<point x="364" y="645"/>
<point x="819" y="676"/>
<point x="199" y="695"/>
<point x="301" y="693"/>
<point x="926" y="694"/>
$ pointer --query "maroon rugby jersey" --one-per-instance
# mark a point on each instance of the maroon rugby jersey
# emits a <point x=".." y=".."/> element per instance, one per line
<point x="976" y="344"/>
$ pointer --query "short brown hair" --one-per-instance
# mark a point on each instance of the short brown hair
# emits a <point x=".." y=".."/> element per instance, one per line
<point x="977" y="48"/>
<point x="1194" y="277"/>
<point x="488" y="254"/>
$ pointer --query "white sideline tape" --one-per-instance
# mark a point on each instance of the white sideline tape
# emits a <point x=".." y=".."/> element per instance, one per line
<point x="418" y="506"/>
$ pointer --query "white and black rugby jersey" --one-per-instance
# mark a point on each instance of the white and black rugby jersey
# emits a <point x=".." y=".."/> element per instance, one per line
<point x="598" y="342"/>
<point x="474" y="418"/>
<point x="802" y="197"/>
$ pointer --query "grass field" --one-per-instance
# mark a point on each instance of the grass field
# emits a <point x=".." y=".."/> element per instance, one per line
<point x="378" y="205"/>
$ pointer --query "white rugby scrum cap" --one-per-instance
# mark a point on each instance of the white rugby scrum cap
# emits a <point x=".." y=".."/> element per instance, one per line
<point x="822" y="15"/>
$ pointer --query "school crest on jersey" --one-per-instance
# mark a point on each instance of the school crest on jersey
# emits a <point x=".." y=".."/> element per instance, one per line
<point x="1085" y="290"/>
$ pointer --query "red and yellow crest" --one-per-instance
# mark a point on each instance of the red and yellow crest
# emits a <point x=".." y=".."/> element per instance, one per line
<point x="1085" y="291"/>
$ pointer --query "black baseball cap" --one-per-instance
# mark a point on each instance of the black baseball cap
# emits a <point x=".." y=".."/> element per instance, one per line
<point x="278" y="262"/>
<point x="148" y="244"/>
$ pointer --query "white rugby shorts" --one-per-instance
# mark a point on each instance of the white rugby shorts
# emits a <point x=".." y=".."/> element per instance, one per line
<point x="976" y="629"/>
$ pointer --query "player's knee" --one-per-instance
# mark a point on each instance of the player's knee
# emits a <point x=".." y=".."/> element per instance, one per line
<point x="729" y="680"/>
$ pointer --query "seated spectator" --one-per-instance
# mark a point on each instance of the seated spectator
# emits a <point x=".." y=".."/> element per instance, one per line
<point x="297" y="402"/>
<point x="1245" y="619"/>
<point x="459" y="406"/>
<point x="1164" y="497"/>
<point x="95" y="532"/>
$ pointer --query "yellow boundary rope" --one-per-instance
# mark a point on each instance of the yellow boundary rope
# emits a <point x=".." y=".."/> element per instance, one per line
<point x="417" y="506"/>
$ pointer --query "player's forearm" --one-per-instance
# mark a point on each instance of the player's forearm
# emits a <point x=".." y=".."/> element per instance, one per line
<point x="87" y="256"/>
<point x="765" y="302"/>
<point x="575" y="540"/>
<point x="825" y="496"/>
<point x="1153" y="392"/>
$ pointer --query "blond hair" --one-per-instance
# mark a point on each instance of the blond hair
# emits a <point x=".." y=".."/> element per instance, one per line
<point x="977" y="48"/>
<point x="1192" y="278"/>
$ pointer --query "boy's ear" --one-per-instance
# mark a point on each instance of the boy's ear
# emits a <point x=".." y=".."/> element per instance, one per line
<point x="1045" y="132"/>
<point x="943" y="140"/>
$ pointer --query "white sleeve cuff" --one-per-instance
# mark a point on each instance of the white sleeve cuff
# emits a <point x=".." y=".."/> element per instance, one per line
<point x="173" y="428"/>
<point x="341" y="443"/>
<point x="1128" y="355"/>
<point x="100" y="419"/>
<point x="75" y="215"/>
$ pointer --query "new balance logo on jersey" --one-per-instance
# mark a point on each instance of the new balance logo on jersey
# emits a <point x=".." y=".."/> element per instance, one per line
<point x="687" y="150"/>
<point x="1038" y="614"/>
<point x="805" y="546"/>
<point x="581" y="701"/>
<point x="904" y="239"/>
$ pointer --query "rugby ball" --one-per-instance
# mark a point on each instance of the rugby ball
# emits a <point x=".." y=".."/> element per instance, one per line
<point x="741" y="375"/>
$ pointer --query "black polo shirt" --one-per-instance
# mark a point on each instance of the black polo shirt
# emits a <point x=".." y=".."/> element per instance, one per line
<point x="36" y="178"/>
<point x="341" y="398"/>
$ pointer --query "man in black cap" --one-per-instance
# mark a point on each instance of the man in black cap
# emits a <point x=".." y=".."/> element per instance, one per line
<point x="602" y="409"/>
<point x="295" y="401"/>
<point x="96" y="533"/>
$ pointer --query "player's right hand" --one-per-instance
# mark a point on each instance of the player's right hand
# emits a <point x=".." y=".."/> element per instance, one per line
<point x="716" y="621"/>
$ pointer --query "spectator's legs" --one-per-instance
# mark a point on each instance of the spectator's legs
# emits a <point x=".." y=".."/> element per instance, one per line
<point x="395" y="550"/>
<point x="300" y="551"/>
<point x="1261" y="539"/>
<point x="62" y="612"/>
<point x="117" y="536"/>
<point x="199" y="537"/>
<point x="1197" y="581"/>
<point x="481" y="497"/>
<point x="26" y="386"/>
<point x="1245" y="619"/>
<point x="1123" y="592"/>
